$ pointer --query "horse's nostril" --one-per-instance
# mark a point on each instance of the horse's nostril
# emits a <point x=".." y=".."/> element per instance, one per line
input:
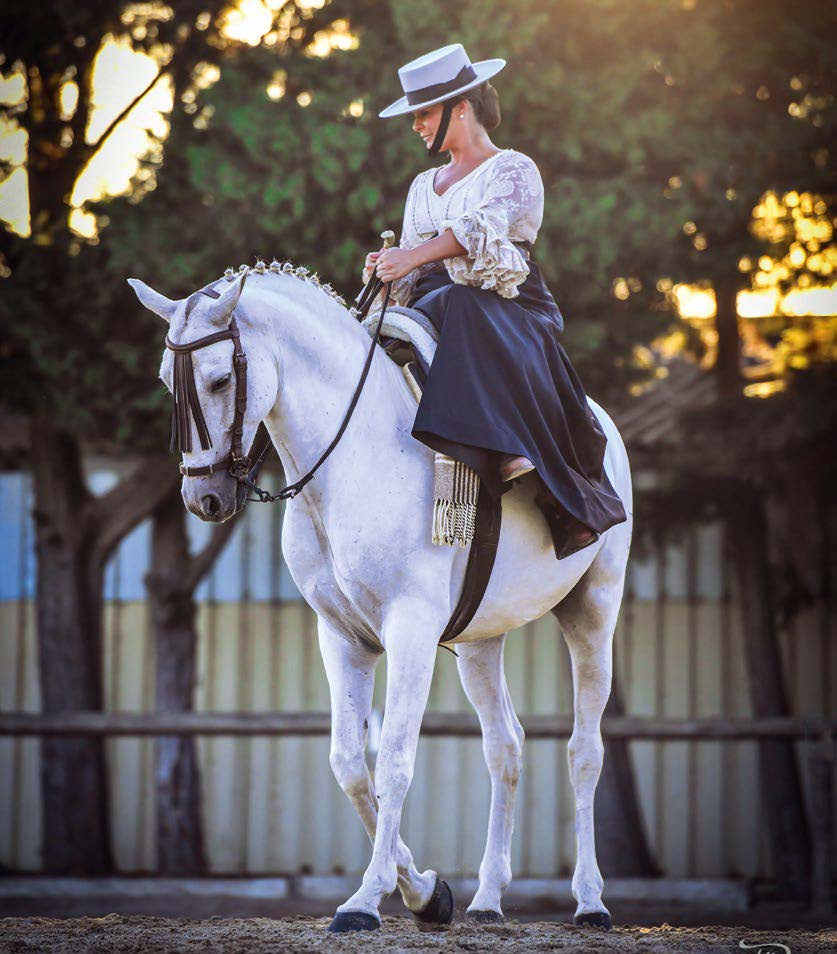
<point x="211" y="504"/>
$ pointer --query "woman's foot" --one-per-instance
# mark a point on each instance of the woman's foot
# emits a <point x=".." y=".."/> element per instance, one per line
<point x="578" y="536"/>
<point x="583" y="536"/>
<point x="512" y="467"/>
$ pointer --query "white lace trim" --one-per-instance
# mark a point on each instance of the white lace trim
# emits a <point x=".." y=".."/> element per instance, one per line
<point x="492" y="261"/>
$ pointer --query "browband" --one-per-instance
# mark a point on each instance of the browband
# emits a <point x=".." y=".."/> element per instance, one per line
<point x="200" y="342"/>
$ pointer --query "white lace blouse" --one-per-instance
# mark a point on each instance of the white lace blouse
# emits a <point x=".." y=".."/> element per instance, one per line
<point x="498" y="202"/>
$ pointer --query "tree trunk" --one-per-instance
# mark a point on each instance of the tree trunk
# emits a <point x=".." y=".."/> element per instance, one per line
<point x="75" y="534"/>
<point x="621" y="843"/>
<point x="76" y="832"/>
<point x="728" y="365"/>
<point x="180" y="842"/>
<point x="780" y="785"/>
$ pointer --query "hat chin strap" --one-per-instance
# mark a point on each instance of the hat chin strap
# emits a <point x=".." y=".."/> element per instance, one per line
<point x="442" y="131"/>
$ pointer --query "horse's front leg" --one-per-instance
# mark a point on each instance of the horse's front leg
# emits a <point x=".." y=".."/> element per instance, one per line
<point x="350" y="669"/>
<point x="409" y="633"/>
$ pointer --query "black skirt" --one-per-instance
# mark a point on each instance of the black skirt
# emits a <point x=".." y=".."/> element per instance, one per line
<point x="502" y="383"/>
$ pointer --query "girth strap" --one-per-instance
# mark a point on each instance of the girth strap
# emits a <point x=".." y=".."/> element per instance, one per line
<point x="480" y="564"/>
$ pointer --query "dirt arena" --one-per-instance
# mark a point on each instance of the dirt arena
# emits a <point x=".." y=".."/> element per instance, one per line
<point x="148" y="935"/>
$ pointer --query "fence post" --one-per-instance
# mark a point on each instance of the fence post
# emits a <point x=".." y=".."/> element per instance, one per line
<point x="821" y="774"/>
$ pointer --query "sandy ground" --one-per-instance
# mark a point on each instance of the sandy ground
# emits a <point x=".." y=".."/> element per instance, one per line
<point x="150" y="935"/>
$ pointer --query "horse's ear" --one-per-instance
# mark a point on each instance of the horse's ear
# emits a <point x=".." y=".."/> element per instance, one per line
<point x="154" y="301"/>
<point x="219" y="310"/>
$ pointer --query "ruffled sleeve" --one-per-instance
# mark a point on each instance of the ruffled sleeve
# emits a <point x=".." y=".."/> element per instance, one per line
<point x="512" y="199"/>
<point x="402" y="288"/>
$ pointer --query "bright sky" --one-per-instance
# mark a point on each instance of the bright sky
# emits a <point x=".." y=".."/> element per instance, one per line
<point x="120" y="74"/>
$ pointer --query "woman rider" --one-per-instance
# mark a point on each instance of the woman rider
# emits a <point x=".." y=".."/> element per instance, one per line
<point x="501" y="394"/>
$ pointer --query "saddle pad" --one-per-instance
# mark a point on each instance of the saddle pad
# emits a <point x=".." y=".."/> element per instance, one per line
<point x="455" y="485"/>
<point x="407" y="324"/>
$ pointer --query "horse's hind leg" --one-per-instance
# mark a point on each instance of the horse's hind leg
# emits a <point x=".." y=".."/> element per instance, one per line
<point x="481" y="671"/>
<point x="351" y="677"/>
<point x="588" y="618"/>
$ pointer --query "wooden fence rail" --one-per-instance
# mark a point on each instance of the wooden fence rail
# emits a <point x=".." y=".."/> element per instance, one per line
<point x="820" y="733"/>
<point x="435" y="724"/>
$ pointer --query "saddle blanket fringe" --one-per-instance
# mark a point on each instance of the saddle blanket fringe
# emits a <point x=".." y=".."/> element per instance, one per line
<point x="456" y="487"/>
<point x="455" y="490"/>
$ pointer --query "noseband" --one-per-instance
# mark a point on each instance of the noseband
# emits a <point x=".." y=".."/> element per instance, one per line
<point x="240" y="466"/>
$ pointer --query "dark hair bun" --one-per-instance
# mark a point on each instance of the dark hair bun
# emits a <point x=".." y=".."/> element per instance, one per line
<point x="486" y="105"/>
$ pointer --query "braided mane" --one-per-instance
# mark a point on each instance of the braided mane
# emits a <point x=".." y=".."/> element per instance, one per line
<point x="287" y="268"/>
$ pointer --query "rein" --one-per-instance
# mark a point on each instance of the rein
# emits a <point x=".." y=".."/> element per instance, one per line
<point x="240" y="466"/>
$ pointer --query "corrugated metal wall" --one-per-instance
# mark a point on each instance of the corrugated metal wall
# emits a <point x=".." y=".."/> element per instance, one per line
<point x="271" y="805"/>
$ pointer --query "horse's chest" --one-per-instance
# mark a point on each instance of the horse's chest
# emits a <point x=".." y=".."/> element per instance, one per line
<point x="327" y="585"/>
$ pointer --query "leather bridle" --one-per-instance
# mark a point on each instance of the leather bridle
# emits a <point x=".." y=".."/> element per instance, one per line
<point x="186" y="399"/>
<point x="240" y="466"/>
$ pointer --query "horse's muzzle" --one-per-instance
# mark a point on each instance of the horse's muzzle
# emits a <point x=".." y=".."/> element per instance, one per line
<point x="213" y="499"/>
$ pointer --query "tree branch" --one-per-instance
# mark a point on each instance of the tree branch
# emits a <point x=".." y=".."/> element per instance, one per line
<point x="96" y="146"/>
<point x="202" y="562"/>
<point x="113" y="515"/>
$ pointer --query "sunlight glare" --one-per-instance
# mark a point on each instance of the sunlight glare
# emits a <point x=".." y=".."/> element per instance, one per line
<point x="13" y="140"/>
<point x="247" y="21"/>
<point x="693" y="302"/>
<point x="119" y="75"/>
<point x="68" y="99"/>
<point x="12" y="88"/>
<point x="14" y="202"/>
<point x="338" y="36"/>
<point x="820" y="301"/>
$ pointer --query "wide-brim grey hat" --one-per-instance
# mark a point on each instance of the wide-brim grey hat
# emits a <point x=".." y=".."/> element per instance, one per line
<point x="438" y="76"/>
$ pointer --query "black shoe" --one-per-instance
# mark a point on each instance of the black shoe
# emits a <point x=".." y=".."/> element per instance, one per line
<point x="572" y="544"/>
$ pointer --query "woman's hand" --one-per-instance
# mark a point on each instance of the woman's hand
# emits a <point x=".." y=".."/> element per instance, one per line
<point x="394" y="263"/>
<point x="369" y="267"/>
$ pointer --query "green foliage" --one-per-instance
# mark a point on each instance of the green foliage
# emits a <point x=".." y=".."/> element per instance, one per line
<point x="641" y="116"/>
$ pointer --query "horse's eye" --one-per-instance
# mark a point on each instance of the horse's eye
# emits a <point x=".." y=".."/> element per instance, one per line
<point x="221" y="383"/>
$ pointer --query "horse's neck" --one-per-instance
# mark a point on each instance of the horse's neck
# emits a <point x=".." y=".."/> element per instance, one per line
<point x="322" y="353"/>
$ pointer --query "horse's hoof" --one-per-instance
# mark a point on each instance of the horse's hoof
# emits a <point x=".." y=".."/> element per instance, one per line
<point x="353" y="921"/>
<point x="485" y="917"/>
<point x="594" y="919"/>
<point x="439" y="909"/>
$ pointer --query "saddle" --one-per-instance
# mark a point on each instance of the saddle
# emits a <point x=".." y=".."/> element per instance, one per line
<point x="409" y="338"/>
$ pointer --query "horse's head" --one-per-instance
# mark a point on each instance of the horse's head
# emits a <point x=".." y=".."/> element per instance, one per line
<point x="223" y="385"/>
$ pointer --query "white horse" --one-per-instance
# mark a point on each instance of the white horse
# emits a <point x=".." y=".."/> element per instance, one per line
<point x="357" y="542"/>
